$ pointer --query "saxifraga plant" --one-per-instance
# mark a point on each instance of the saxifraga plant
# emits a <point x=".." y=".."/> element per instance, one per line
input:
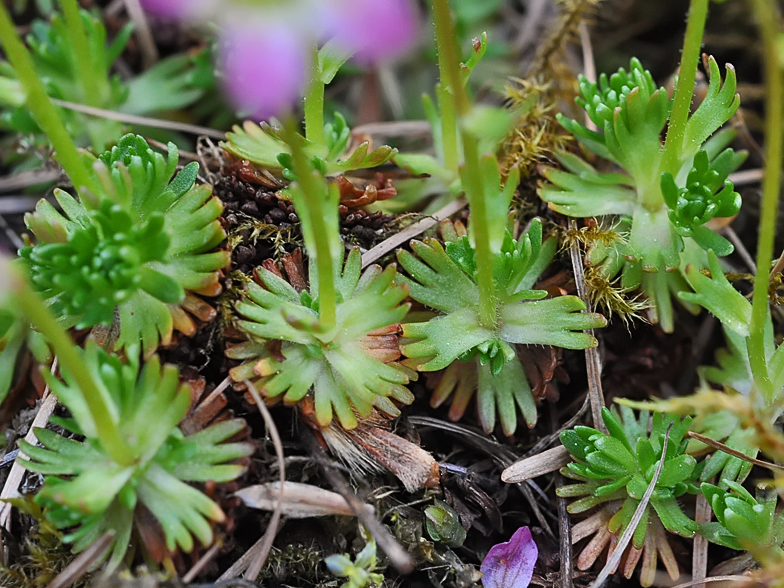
<point x="132" y="453"/>
<point x="338" y="364"/>
<point x="614" y="470"/>
<point x="86" y="487"/>
<point x="359" y="573"/>
<point x="665" y="194"/>
<point x="134" y="254"/>
<point x="324" y="329"/>
<point x="446" y="278"/>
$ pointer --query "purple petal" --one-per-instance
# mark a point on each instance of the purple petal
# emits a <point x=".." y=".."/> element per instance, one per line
<point x="511" y="564"/>
<point x="372" y="29"/>
<point x="263" y="68"/>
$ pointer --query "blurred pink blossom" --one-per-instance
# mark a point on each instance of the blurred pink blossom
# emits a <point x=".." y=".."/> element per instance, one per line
<point x="263" y="69"/>
<point x="265" y="46"/>
<point x="173" y="9"/>
<point x="373" y="29"/>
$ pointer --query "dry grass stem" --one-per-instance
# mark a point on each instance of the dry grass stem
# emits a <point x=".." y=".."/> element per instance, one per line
<point x="734" y="453"/>
<point x="398" y="557"/>
<point x="206" y="558"/>
<point x="409" y="233"/>
<point x="143" y="33"/>
<point x="11" y="487"/>
<point x="299" y="500"/>
<point x="593" y="364"/>
<point x="543" y="463"/>
<point x="83" y="562"/>
<point x="260" y="556"/>
<point x="699" y="560"/>
<point x="146" y="121"/>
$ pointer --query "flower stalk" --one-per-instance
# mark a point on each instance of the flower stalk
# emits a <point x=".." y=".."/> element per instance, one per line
<point x="446" y="91"/>
<point x="768" y="19"/>
<point x="310" y="205"/>
<point x="449" y="64"/>
<point x="31" y="305"/>
<point x="314" y="103"/>
<point x="684" y="88"/>
<point x="84" y="63"/>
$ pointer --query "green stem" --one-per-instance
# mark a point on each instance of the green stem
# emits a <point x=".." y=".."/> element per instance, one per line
<point x="768" y="21"/>
<point x="448" y="58"/>
<point x="684" y="87"/>
<point x="449" y="65"/>
<point x="450" y="86"/>
<point x="41" y="107"/>
<point x="314" y="104"/>
<point x="449" y="144"/>
<point x="28" y="301"/>
<point x="472" y="182"/>
<point x="316" y="221"/>
<point x="83" y="58"/>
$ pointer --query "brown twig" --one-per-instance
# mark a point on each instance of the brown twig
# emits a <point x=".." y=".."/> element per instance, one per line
<point x="254" y="569"/>
<point x="11" y="487"/>
<point x="206" y="558"/>
<point x="146" y="121"/>
<point x="699" y="559"/>
<point x="734" y="453"/>
<point x="141" y="27"/>
<point x="398" y="128"/>
<point x="25" y="179"/>
<point x="593" y="364"/>
<point x="564" y="526"/>
<point x="740" y="248"/>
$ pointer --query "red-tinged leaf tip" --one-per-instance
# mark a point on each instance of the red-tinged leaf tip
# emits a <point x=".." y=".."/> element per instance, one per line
<point x="511" y="564"/>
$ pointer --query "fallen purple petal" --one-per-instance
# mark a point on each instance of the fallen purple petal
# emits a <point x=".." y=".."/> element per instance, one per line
<point x="511" y="564"/>
<point x="372" y="29"/>
<point x="263" y="68"/>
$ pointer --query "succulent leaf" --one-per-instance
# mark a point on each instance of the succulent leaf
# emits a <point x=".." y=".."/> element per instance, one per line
<point x="708" y="194"/>
<point x="445" y="279"/>
<point x="742" y="520"/>
<point x="665" y="210"/>
<point x="719" y="297"/>
<point x="262" y="145"/>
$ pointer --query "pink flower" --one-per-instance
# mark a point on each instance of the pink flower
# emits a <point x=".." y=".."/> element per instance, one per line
<point x="265" y="45"/>
<point x="372" y="29"/>
<point x="172" y="9"/>
<point x="511" y="564"/>
<point x="263" y="68"/>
